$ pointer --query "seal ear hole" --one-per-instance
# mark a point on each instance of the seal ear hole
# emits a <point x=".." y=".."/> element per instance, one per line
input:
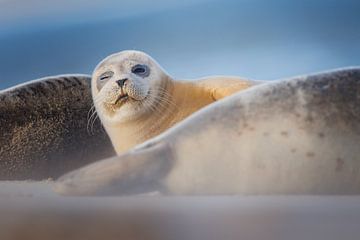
<point x="106" y="75"/>
<point x="141" y="70"/>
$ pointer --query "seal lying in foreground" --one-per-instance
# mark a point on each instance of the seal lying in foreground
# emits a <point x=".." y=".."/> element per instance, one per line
<point x="137" y="100"/>
<point x="297" y="136"/>
<point x="43" y="127"/>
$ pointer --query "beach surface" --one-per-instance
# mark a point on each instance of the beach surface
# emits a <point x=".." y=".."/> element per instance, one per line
<point x="31" y="210"/>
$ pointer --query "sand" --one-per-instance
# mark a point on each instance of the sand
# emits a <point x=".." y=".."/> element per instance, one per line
<point x="31" y="210"/>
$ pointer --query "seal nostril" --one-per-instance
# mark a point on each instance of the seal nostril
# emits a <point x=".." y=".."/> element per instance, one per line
<point x="121" y="82"/>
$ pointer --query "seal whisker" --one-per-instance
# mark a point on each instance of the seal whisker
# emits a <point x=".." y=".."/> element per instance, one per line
<point x="165" y="98"/>
<point x="93" y="122"/>
<point x="90" y="113"/>
<point x="157" y="101"/>
<point x="92" y="118"/>
<point x="89" y="125"/>
<point x="165" y="101"/>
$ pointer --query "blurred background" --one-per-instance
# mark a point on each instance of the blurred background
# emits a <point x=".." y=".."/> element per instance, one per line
<point x="257" y="39"/>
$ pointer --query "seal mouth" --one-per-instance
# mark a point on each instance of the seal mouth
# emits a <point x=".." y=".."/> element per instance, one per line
<point x="122" y="97"/>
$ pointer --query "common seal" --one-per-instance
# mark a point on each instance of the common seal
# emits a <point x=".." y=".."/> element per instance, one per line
<point x="137" y="100"/>
<point x="296" y="136"/>
<point x="43" y="127"/>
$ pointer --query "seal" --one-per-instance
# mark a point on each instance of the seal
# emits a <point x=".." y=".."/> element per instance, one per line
<point x="295" y="136"/>
<point x="44" y="128"/>
<point x="137" y="100"/>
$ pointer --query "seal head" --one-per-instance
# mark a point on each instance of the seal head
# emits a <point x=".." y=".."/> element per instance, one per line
<point x="126" y="85"/>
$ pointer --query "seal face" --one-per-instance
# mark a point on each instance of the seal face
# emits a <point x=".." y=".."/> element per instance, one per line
<point x="125" y="85"/>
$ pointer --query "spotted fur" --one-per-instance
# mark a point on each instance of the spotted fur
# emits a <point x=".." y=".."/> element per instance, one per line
<point x="43" y="128"/>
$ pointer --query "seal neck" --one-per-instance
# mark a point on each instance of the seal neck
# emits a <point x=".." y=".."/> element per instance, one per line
<point x="176" y="101"/>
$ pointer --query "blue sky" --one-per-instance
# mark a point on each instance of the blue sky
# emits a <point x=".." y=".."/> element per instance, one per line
<point x="257" y="39"/>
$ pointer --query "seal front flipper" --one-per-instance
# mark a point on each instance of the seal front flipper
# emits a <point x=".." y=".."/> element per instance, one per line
<point x="138" y="171"/>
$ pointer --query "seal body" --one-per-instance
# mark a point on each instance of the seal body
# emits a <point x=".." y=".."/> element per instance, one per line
<point x="295" y="136"/>
<point x="44" y="128"/>
<point x="137" y="100"/>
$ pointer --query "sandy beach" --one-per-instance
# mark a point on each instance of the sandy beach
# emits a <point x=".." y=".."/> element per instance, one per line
<point x="31" y="210"/>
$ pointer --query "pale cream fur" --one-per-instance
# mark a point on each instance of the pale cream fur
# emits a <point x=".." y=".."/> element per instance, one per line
<point x="159" y="102"/>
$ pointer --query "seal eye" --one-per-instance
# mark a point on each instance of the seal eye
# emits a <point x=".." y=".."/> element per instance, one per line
<point x="106" y="75"/>
<point x="140" y="70"/>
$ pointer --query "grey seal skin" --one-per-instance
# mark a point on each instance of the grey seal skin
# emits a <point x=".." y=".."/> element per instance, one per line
<point x="295" y="136"/>
<point x="43" y="127"/>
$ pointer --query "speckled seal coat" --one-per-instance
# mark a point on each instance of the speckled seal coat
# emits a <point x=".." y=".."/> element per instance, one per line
<point x="295" y="136"/>
<point x="43" y="127"/>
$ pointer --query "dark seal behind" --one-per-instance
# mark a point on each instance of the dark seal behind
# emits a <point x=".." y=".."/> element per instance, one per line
<point x="43" y="126"/>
